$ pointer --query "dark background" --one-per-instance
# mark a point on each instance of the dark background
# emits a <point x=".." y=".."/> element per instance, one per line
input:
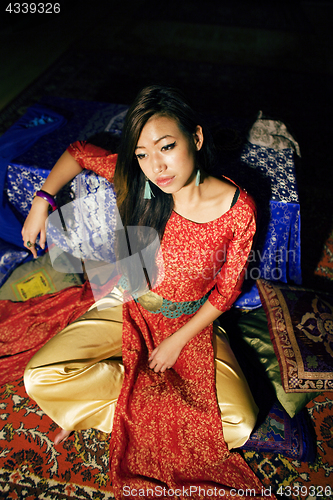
<point x="233" y="58"/>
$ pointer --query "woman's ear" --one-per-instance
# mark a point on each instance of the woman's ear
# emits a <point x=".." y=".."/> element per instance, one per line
<point x="198" y="137"/>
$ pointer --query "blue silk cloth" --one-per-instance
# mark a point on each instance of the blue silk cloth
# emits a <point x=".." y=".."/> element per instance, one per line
<point x="37" y="122"/>
<point x="19" y="138"/>
<point x="279" y="258"/>
<point x="28" y="151"/>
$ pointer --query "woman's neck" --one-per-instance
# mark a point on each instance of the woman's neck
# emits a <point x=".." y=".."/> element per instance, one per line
<point x="192" y="199"/>
<point x="191" y="194"/>
<point x="206" y="202"/>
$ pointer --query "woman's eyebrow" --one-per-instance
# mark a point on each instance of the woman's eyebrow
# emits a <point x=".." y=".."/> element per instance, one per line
<point x="156" y="141"/>
<point x="163" y="137"/>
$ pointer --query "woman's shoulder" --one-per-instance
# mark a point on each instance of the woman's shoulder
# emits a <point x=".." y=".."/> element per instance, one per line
<point x="237" y="203"/>
<point x="223" y="191"/>
<point x="85" y="148"/>
<point x="222" y="188"/>
<point x="92" y="157"/>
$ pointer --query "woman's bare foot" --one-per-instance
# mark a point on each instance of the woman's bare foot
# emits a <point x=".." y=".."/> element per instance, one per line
<point x="61" y="436"/>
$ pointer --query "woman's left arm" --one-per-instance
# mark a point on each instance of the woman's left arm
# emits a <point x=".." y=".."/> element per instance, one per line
<point x="165" y="355"/>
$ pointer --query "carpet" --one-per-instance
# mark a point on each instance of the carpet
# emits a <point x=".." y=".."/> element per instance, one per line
<point x="32" y="468"/>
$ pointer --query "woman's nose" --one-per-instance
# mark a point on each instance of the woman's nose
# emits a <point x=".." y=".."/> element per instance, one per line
<point x="158" y="165"/>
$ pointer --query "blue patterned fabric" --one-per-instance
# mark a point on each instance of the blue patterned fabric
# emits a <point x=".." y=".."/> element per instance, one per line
<point x="278" y="165"/>
<point x="10" y="257"/>
<point x="21" y="184"/>
<point x="37" y="122"/>
<point x="292" y="437"/>
<point x="86" y="227"/>
<point x="89" y="219"/>
<point x="283" y="246"/>
<point x="279" y="259"/>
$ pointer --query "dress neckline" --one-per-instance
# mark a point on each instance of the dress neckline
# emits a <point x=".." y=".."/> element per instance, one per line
<point x="241" y="195"/>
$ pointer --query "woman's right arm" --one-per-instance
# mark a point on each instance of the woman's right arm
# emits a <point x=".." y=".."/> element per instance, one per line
<point x="63" y="171"/>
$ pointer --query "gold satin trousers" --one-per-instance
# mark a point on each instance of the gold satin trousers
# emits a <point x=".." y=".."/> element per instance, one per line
<point x="76" y="377"/>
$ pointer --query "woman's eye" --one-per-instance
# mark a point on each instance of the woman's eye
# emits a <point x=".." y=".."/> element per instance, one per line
<point x="140" y="156"/>
<point x="169" y="146"/>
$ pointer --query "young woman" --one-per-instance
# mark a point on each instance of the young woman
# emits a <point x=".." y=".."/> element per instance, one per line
<point x="181" y="406"/>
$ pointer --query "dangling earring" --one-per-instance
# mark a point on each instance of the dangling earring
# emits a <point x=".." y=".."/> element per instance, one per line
<point x="148" y="192"/>
<point x="197" y="178"/>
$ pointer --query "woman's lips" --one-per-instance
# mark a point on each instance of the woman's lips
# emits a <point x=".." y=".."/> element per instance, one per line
<point x="164" y="181"/>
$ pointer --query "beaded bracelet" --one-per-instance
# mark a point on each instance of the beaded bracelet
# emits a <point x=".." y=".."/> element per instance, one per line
<point x="47" y="197"/>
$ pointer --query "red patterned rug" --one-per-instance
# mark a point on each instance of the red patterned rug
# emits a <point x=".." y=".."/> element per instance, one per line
<point x="31" y="468"/>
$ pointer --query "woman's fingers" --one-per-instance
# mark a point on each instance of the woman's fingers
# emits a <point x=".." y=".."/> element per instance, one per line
<point x="153" y="363"/>
<point x="31" y="245"/>
<point x="165" y="355"/>
<point x="156" y="365"/>
<point x="29" y="240"/>
<point x="153" y="354"/>
<point x="42" y="238"/>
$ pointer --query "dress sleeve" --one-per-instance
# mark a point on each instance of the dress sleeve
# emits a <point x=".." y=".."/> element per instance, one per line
<point x="231" y="275"/>
<point x="91" y="157"/>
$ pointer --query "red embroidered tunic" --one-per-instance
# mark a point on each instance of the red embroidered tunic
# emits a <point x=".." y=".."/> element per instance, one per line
<point x="167" y="438"/>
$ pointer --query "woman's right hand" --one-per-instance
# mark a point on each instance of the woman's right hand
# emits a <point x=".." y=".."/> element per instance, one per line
<point x="35" y="224"/>
<point x="63" y="171"/>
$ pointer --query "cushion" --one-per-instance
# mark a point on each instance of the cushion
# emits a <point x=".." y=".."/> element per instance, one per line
<point x="300" y="323"/>
<point x="272" y="134"/>
<point x="252" y="337"/>
<point x="37" y="277"/>
<point x="279" y="433"/>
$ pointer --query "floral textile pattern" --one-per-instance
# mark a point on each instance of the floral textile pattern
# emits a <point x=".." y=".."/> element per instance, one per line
<point x="30" y="465"/>
<point x="300" y="325"/>
<point x="318" y="324"/>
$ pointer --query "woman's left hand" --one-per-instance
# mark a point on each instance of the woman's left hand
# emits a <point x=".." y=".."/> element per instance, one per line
<point x="165" y="355"/>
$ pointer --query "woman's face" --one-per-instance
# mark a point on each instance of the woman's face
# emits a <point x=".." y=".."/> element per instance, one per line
<point x="166" y="155"/>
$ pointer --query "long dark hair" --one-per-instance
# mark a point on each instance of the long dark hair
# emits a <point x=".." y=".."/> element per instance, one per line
<point x="129" y="180"/>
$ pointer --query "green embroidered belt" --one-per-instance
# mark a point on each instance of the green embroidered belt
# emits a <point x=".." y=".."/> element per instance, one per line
<point x="157" y="304"/>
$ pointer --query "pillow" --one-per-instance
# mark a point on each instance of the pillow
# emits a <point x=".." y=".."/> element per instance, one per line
<point x="300" y="323"/>
<point x="292" y="437"/>
<point x="253" y="338"/>
<point x="37" y="277"/>
<point x="272" y="134"/>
